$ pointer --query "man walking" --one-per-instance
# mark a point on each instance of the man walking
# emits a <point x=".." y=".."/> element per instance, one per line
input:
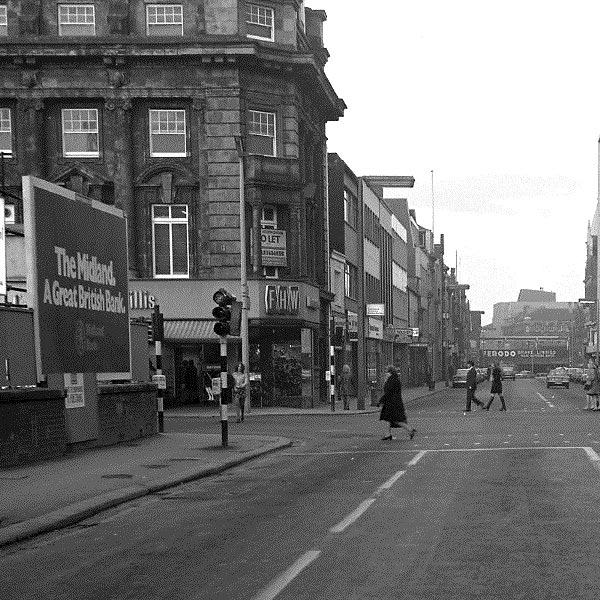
<point x="471" y="387"/>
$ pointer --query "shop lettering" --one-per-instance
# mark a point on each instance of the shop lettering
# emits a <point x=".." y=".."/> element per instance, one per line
<point x="282" y="299"/>
<point x="141" y="300"/>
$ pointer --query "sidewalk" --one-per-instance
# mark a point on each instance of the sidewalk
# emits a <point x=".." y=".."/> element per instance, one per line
<point x="44" y="496"/>
<point x="213" y="411"/>
<point x="38" y="498"/>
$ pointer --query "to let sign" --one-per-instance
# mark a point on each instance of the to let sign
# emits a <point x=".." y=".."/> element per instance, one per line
<point x="273" y="247"/>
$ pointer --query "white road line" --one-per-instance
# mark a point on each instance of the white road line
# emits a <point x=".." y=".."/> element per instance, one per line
<point x="390" y="482"/>
<point x="491" y="448"/>
<point x="359" y="510"/>
<point x="592" y="454"/>
<point x="413" y="461"/>
<point x="279" y="583"/>
<point x="545" y="400"/>
<point x="334" y="452"/>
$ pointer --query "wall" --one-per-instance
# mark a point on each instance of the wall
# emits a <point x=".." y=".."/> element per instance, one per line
<point x="32" y="425"/>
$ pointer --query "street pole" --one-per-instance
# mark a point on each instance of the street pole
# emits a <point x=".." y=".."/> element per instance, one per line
<point x="243" y="274"/>
<point x="224" y="391"/>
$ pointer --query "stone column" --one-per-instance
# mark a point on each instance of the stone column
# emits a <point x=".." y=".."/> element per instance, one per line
<point x="32" y="136"/>
<point x="124" y="191"/>
<point x="200" y="249"/>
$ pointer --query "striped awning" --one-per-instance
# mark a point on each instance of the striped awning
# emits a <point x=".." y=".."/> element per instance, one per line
<point x="199" y="330"/>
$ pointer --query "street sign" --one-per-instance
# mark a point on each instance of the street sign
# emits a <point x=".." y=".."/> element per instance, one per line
<point x="375" y="310"/>
<point x="160" y="380"/>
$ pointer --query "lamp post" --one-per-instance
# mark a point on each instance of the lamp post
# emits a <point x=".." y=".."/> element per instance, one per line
<point x="243" y="275"/>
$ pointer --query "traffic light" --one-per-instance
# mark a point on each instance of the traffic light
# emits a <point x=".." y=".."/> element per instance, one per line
<point x="222" y="312"/>
<point x="158" y="327"/>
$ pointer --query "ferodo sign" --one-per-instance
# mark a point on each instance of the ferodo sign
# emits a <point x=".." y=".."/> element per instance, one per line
<point x="76" y="252"/>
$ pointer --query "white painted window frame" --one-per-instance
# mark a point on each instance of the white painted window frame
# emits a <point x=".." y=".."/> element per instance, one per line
<point x="6" y="127"/>
<point x="261" y="11"/>
<point x="62" y="23"/>
<point x="66" y="153"/>
<point x="267" y="124"/>
<point x="170" y="220"/>
<point x="153" y="133"/>
<point x="150" y="7"/>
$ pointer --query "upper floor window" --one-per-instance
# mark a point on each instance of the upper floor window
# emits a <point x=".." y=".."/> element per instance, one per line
<point x="5" y="132"/>
<point x="3" y="20"/>
<point x="167" y="133"/>
<point x="259" y="22"/>
<point x="76" y="19"/>
<point x="170" y="240"/>
<point x="261" y="133"/>
<point x="350" y="209"/>
<point x="164" y="19"/>
<point x="351" y="280"/>
<point x="80" y="132"/>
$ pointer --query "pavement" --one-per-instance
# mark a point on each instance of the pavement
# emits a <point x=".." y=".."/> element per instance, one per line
<point x="49" y="495"/>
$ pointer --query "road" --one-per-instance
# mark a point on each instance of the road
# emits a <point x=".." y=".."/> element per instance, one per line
<point x="483" y="505"/>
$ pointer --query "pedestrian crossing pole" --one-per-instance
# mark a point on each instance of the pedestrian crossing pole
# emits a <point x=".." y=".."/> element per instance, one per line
<point x="158" y="334"/>
<point x="224" y="392"/>
<point x="332" y="376"/>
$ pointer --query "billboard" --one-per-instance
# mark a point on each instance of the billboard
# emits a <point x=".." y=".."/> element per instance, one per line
<point x="77" y="272"/>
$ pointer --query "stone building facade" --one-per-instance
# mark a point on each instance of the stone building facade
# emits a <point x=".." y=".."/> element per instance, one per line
<point x="138" y="104"/>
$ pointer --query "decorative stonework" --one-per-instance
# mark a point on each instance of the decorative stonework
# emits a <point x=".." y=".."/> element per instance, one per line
<point x="30" y="78"/>
<point x="121" y="105"/>
<point x="199" y="103"/>
<point x="116" y="78"/>
<point x="29" y="104"/>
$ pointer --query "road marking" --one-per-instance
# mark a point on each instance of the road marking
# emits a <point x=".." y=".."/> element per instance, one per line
<point x="390" y="482"/>
<point x="592" y="454"/>
<point x="546" y="400"/>
<point x="279" y="583"/>
<point x="355" y="514"/>
<point x="413" y="461"/>
<point x="490" y="448"/>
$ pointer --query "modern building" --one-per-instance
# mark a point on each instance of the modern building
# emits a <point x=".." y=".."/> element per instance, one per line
<point x="139" y="103"/>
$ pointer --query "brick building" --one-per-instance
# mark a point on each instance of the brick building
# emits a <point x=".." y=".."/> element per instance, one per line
<point x="138" y="103"/>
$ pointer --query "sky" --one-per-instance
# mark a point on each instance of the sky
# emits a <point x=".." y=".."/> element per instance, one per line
<point x="502" y="102"/>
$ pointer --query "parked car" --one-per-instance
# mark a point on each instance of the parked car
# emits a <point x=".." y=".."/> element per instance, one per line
<point x="524" y="375"/>
<point x="460" y="378"/>
<point x="557" y="378"/>
<point x="576" y="374"/>
<point x="508" y="373"/>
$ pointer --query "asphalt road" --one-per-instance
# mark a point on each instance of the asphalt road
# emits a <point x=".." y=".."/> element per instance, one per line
<point x="483" y="505"/>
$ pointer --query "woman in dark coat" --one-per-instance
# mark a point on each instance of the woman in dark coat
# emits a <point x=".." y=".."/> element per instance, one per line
<point x="393" y="407"/>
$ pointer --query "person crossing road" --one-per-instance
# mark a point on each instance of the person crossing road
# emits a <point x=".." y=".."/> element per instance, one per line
<point x="496" y="387"/>
<point x="471" y="387"/>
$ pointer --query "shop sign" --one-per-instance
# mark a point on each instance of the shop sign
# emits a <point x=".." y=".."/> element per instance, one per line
<point x="520" y="353"/>
<point x="79" y="283"/>
<point x="409" y="331"/>
<point x="273" y="247"/>
<point x="375" y="329"/>
<point x="352" y="326"/>
<point x="375" y="310"/>
<point x="141" y="300"/>
<point x="282" y="299"/>
<point x="75" y="395"/>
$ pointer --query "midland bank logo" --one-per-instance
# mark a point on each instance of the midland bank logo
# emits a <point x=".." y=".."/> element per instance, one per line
<point x="87" y="337"/>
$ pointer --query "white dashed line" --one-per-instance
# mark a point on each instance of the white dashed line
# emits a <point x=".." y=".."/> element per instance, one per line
<point x="279" y="583"/>
<point x="390" y="482"/>
<point x="355" y="514"/>
<point x="413" y="461"/>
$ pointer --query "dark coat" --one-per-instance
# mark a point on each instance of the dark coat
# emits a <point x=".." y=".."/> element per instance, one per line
<point x="393" y="407"/>
<point x="496" y="381"/>
<point x="472" y="379"/>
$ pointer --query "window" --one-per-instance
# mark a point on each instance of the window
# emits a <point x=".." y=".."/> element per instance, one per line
<point x="350" y="209"/>
<point x="164" y="19"/>
<point x="350" y="280"/>
<point x="269" y="221"/>
<point x="261" y="133"/>
<point x="80" y="132"/>
<point x="5" y="132"/>
<point x="259" y="22"/>
<point x="3" y="21"/>
<point x="76" y="19"/>
<point x="170" y="240"/>
<point x="167" y="133"/>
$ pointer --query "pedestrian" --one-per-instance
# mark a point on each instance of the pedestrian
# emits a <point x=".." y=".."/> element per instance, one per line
<point x="239" y="390"/>
<point x="393" y="408"/>
<point x="594" y="390"/>
<point x="496" y="375"/>
<point x="190" y="382"/>
<point x="589" y="378"/>
<point x="471" y="387"/>
<point x="344" y="385"/>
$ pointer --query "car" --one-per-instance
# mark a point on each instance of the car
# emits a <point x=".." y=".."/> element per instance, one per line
<point x="508" y="373"/>
<point x="557" y="378"/>
<point x="460" y="378"/>
<point x="524" y="375"/>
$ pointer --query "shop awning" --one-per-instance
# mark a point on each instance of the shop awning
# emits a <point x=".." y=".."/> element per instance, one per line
<point x="191" y="329"/>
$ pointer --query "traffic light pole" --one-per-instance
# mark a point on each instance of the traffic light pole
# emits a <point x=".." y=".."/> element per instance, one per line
<point x="224" y="391"/>
<point x="158" y="334"/>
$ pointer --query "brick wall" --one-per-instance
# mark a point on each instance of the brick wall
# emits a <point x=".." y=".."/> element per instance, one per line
<point x="32" y="425"/>
<point x="126" y="412"/>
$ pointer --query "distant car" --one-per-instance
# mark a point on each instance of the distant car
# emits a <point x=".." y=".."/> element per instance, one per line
<point x="508" y="373"/>
<point x="524" y="375"/>
<point x="460" y="378"/>
<point x="557" y="378"/>
<point x="576" y="374"/>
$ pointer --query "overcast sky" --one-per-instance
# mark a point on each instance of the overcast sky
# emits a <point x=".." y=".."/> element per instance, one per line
<point x="502" y="102"/>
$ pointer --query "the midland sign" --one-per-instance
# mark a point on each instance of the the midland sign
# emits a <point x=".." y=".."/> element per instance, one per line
<point x="77" y="272"/>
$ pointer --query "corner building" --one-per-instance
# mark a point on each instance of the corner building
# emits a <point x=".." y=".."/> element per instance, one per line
<point x="138" y="103"/>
